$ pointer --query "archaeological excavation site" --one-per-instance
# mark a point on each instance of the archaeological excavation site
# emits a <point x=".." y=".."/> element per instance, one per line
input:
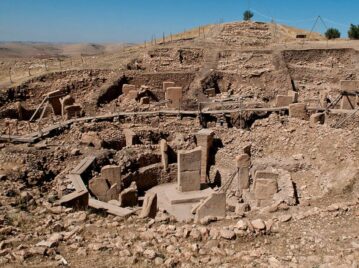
<point x="235" y="147"/>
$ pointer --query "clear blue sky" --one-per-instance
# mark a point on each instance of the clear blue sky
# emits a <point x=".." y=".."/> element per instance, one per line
<point x="138" y="20"/>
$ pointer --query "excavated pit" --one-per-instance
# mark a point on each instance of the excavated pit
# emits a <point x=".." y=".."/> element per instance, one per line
<point x="260" y="149"/>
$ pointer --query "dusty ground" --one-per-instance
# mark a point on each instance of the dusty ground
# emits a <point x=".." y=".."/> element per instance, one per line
<point x="239" y="60"/>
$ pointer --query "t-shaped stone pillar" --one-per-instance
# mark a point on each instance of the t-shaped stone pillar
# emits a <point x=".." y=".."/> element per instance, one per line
<point x="189" y="170"/>
<point x="204" y="139"/>
<point x="54" y="100"/>
<point x="164" y="153"/>
<point x="243" y="162"/>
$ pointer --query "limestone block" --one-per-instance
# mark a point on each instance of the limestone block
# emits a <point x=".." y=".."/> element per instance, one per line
<point x="298" y="110"/>
<point x="212" y="206"/>
<point x="54" y="100"/>
<point x="264" y="189"/>
<point x="243" y="163"/>
<point x="204" y="139"/>
<point x="129" y="197"/>
<point x="132" y="95"/>
<point x="348" y="103"/>
<point x="174" y="97"/>
<point x="168" y="84"/>
<point x="189" y="170"/>
<point x="164" y="153"/>
<point x="112" y="193"/>
<point x="99" y="187"/>
<point x="149" y="208"/>
<point x="286" y="191"/>
<point x="317" y="118"/>
<point x="66" y="101"/>
<point x="282" y="100"/>
<point x="126" y="88"/>
<point x="294" y="95"/>
<point x="130" y="137"/>
<point x="111" y="173"/>
<point x="349" y="85"/>
<point x="265" y="174"/>
<point x="91" y="138"/>
<point x="73" y="111"/>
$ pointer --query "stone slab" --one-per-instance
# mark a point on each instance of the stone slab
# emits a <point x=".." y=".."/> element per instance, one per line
<point x="83" y="165"/>
<point x="316" y="118"/>
<point x="109" y="208"/>
<point x="174" y="97"/>
<point x="181" y="211"/>
<point x="177" y="197"/>
<point x="112" y="173"/>
<point x="283" y="100"/>
<point x="298" y="110"/>
<point x="76" y="200"/>
<point x="214" y="205"/>
<point x="349" y="85"/>
<point x="266" y="174"/>
<point x="264" y="189"/>
<point x="149" y="207"/>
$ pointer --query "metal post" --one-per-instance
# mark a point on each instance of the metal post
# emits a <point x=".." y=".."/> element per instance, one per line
<point x="29" y="71"/>
<point x="39" y="129"/>
<point x="9" y="130"/>
<point x="10" y="75"/>
<point x="29" y="126"/>
<point x="16" y="127"/>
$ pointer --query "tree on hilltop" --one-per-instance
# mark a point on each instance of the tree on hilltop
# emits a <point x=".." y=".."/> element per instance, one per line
<point x="332" y="33"/>
<point x="247" y="15"/>
<point x="353" y="32"/>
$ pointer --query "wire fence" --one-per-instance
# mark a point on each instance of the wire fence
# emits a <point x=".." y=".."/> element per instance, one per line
<point x="15" y="71"/>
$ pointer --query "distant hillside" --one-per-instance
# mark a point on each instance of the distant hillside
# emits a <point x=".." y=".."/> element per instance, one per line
<point x="240" y="34"/>
<point x="33" y="49"/>
<point x="279" y="32"/>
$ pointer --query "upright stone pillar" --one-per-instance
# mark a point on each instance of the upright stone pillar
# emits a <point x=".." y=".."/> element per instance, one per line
<point x="130" y="137"/>
<point x="166" y="85"/>
<point x="174" y="97"/>
<point x="164" y="153"/>
<point x="54" y="100"/>
<point x="204" y="139"/>
<point x="189" y="170"/>
<point x="66" y="101"/>
<point x="112" y="173"/>
<point x="298" y="110"/>
<point x="243" y="163"/>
